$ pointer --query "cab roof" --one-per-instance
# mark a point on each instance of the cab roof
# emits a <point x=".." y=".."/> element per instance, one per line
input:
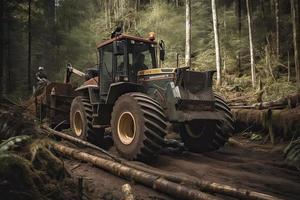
<point x="125" y="36"/>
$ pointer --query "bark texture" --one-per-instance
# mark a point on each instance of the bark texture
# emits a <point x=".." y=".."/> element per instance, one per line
<point x="210" y="187"/>
<point x="217" y="43"/>
<point x="156" y="182"/>
<point x="295" y="22"/>
<point x="278" y="123"/>
<point x="253" y="75"/>
<point x="29" y="47"/>
<point x="188" y="33"/>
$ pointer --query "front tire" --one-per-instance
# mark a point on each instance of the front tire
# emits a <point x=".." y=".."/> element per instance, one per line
<point x="138" y="126"/>
<point x="204" y="136"/>
<point x="81" y="121"/>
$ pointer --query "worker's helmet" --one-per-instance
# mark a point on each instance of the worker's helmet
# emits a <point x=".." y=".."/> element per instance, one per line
<point x="41" y="68"/>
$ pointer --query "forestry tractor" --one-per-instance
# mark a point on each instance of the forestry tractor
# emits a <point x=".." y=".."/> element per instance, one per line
<point x="129" y="97"/>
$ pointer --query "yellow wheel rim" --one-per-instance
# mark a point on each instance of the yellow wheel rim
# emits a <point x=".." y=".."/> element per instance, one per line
<point x="78" y="124"/>
<point x="126" y="128"/>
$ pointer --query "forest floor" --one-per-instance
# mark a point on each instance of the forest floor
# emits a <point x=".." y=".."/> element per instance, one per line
<point x="243" y="164"/>
<point x="255" y="167"/>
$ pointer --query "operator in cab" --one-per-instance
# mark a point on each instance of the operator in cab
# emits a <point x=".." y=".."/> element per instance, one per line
<point x="139" y="63"/>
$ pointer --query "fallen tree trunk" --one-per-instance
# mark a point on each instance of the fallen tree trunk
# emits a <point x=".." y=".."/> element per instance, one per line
<point x="291" y="101"/>
<point x="280" y="123"/>
<point x="127" y="191"/>
<point x="202" y="185"/>
<point x="156" y="182"/>
<point x="78" y="141"/>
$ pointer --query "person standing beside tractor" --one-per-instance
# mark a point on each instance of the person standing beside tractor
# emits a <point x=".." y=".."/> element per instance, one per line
<point x="41" y="74"/>
<point x="41" y="81"/>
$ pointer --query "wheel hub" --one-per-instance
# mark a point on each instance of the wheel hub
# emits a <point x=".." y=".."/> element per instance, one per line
<point x="78" y="124"/>
<point x="196" y="128"/>
<point x="126" y="128"/>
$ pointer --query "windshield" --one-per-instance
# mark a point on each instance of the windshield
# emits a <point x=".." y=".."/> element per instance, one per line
<point x="141" y="55"/>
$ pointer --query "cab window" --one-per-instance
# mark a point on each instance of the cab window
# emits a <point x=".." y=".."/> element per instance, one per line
<point x="141" y="56"/>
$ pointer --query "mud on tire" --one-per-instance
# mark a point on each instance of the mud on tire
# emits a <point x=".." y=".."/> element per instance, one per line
<point x="138" y="126"/>
<point x="81" y="118"/>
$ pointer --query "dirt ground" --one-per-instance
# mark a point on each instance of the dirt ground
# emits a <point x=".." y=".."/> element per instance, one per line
<point x="249" y="167"/>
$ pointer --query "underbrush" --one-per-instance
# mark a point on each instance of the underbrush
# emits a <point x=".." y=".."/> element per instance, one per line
<point x="29" y="169"/>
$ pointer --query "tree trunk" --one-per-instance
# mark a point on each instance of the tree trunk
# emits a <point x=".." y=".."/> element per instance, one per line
<point x="50" y="35"/>
<point x="289" y="67"/>
<point x="4" y="26"/>
<point x="268" y="61"/>
<point x="239" y="24"/>
<point x="156" y="182"/>
<point x="277" y="28"/>
<point x="217" y="43"/>
<point x="56" y="4"/>
<point x="108" y="13"/>
<point x="137" y="4"/>
<point x="188" y="33"/>
<point x="9" y="60"/>
<point x="1" y="47"/>
<point x="294" y="9"/>
<point x="253" y="76"/>
<point x="29" y="47"/>
<point x="225" y="36"/>
<point x="262" y="7"/>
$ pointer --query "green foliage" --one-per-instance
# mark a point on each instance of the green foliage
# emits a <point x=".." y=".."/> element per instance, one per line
<point x="42" y="178"/>
<point x="292" y="153"/>
<point x="21" y="180"/>
<point x="169" y="25"/>
<point x="275" y="90"/>
<point x="70" y="31"/>
<point x="13" y="142"/>
<point x="14" y="123"/>
<point x="255" y="137"/>
<point x="44" y="160"/>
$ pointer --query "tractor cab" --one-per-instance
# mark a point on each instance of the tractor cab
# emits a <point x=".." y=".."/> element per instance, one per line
<point x="123" y="57"/>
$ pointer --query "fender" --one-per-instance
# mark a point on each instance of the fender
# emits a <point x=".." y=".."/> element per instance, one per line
<point x="115" y="91"/>
<point x="118" y="89"/>
<point x="90" y="91"/>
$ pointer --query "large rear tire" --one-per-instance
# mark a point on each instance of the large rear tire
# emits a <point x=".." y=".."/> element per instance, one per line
<point x="138" y="126"/>
<point x="81" y="121"/>
<point x="201" y="136"/>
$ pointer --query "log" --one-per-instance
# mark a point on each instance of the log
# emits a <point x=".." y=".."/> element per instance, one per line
<point x="127" y="191"/>
<point x="291" y="101"/>
<point x="202" y="185"/>
<point x="78" y="141"/>
<point x="147" y="179"/>
<point x="240" y="98"/>
<point x="278" y="123"/>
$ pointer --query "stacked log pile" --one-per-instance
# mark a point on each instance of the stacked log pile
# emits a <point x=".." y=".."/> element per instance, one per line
<point x="290" y="102"/>
<point x="278" y="119"/>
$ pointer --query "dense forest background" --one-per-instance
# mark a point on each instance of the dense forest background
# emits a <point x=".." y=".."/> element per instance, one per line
<point x="51" y="33"/>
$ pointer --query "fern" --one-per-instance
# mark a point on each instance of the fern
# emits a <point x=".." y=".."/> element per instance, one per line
<point x="13" y="142"/>
<point x="38" y="144"/>
<point x="292" y="153"/>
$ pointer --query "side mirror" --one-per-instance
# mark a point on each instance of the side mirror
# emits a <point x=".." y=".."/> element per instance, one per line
<point x="162" y="51"/>
<point x="118" y="47"/>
